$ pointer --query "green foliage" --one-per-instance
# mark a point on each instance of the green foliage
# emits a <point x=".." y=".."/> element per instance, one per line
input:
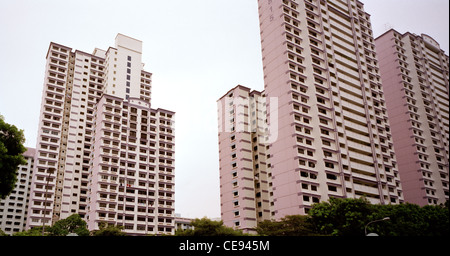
<point x="344" y="217"/>
<point x="108" y="230"/>
<point x="270" y="228"/>
<point x="411" y="220"/>
<point x="11" y="150"/>
<point x="341" y="217"/>
<point x="72" y="224"/>
<point x="35" y="231"/>
<point x="292" y="225"/>
<point x="2" y="233"/>
<point x="207" y="227"/>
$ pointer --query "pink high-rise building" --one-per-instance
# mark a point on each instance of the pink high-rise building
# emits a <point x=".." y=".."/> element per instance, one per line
<point x="415" y="75"/>
<point x="332" y="131"/>
<point x="334" y="136"/>
<point x="245" y="182"/>
<point x="102" y="151"/>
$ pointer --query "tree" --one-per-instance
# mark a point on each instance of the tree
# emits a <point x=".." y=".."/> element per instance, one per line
<point x="341" y="217"/>
<point x="2" y="233"/>
<point x="34" y="231"/>
<point x="11" y="150"/>
<point x="270" y="228"/>
<point x="291" y="225"/>
<point x="411" y="220"/>
<point x="71" y="224"/>
<point x="108" y="230"/>
<point x="438" y="219"/>
<point x="207" y="227"/>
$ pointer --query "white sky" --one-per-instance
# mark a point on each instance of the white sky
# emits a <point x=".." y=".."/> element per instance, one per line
<point x="197" y="50"/>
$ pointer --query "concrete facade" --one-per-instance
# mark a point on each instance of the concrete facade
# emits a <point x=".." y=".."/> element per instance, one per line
<point x="245" y="178"/>
<point x="99" y="135"/>
<point x="13" y="209"/>
<point x="333" y="133"/>
<point x="415" y="74"/>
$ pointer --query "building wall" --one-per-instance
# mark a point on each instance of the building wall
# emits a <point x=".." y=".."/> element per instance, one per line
<point x="13" y="209"/>
<point x="333" y="133"/>
<point x="245" y="184"/>
<point x="133" y="167"/>
<point x="415" y="78"/>
<point x="57" y="88"/>
<point x="89" y="99"/>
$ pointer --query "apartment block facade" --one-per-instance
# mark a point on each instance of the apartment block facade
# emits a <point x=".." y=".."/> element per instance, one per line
<point x="13" y="209"/>
<point x="334" y="137"/>
<point x="102" y="151"/>
<point x="245" y="182"/>
<point x="415" y="74"/>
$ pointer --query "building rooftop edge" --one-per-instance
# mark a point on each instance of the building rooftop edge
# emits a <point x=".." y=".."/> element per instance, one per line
<point x="243" y="88"/>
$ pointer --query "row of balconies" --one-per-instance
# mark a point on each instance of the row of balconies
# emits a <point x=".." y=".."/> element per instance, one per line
<point x="133" y="181"/>
<point x="59" y="56"/>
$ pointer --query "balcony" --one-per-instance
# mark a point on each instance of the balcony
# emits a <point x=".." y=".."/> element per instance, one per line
<point x="361" y="157"/>
<point x="366" y="189"/>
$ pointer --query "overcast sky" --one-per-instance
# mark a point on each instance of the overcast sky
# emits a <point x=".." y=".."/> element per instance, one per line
<point x="197" y="50"/>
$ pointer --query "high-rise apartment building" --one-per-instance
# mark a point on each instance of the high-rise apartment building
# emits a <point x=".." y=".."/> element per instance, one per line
<point x="102" y="151"/>
<point x="334" y="137"/>
<point x="415" y="74"/>
<point x="13" y="209"/>
<point x="245" y="190"/>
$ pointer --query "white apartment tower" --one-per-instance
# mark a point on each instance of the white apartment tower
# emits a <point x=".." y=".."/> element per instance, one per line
<point x="245" y="177"/>
<point x="13" y="209"/>
<point x="102" y="151"/>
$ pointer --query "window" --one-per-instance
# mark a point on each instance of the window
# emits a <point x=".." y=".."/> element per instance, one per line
<point x="332" y="188"/>
<point x="331" y="176"/>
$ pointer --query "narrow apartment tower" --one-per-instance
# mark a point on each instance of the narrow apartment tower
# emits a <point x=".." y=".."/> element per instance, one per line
<point x="102" y="151"/>
<point x="334" y="137"/>
<point x="13" y="209"/>
<point x="244" y="169"/>
<point x="415" y="74"/>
